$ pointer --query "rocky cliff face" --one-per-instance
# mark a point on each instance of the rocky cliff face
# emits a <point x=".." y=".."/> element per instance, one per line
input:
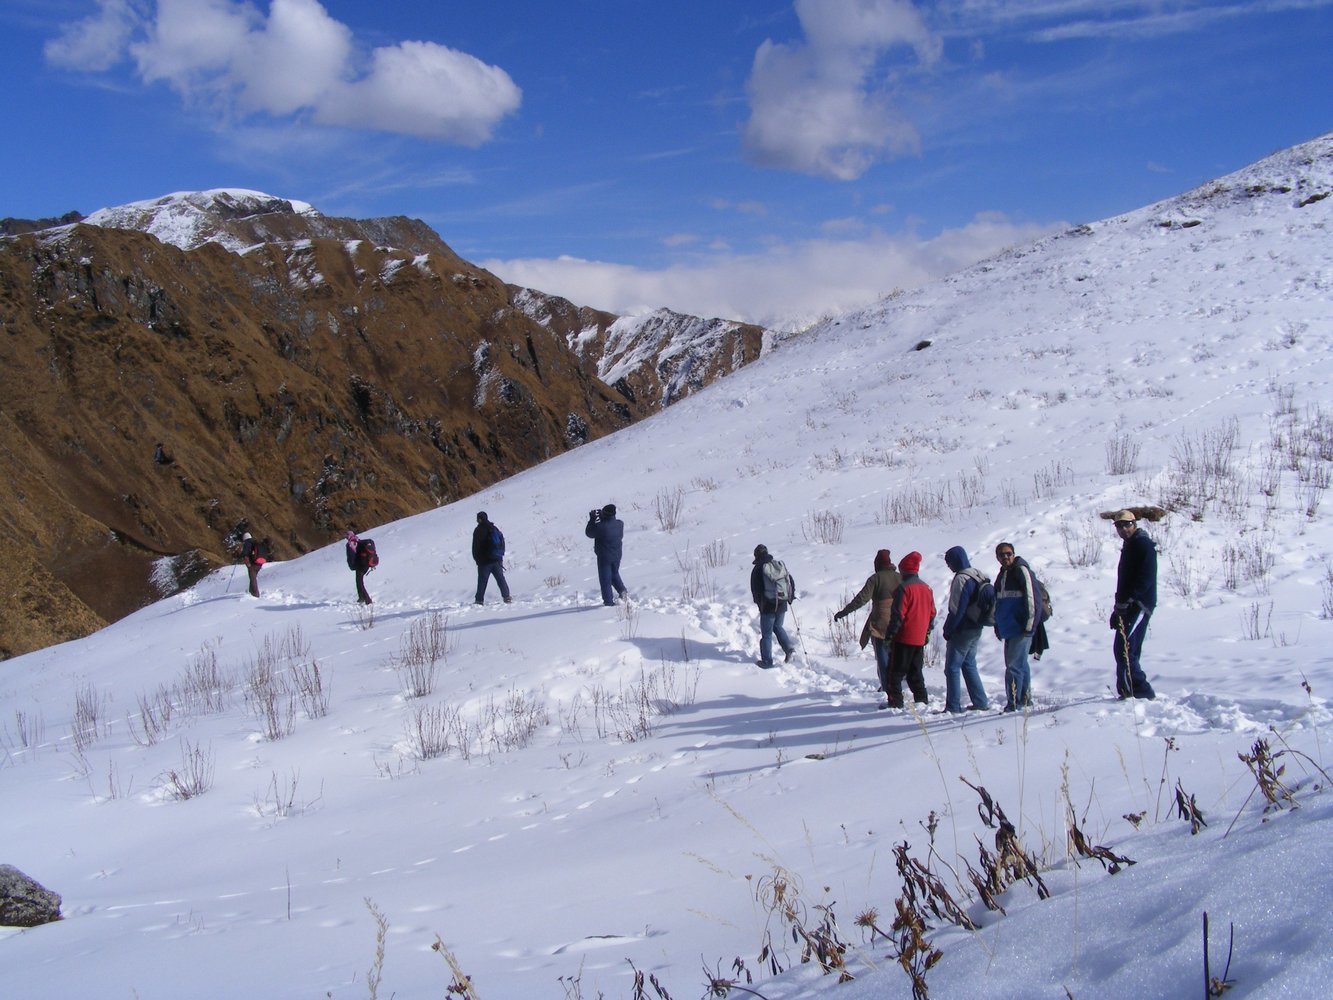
<point x="297" y="388"/>
<point x="303" y="373"/>
<point x="657" y="358"/>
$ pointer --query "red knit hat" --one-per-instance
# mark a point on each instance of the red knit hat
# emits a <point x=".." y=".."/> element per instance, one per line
<point x="910" y="563"/>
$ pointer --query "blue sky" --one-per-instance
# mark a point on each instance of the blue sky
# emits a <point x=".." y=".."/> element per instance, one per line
<point x="760" y="159"/>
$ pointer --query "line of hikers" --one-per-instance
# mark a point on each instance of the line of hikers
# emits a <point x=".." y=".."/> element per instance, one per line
<point x="1016" y="605"/>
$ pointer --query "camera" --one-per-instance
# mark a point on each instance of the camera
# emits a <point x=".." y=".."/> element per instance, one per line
<point x="594" y="515"/>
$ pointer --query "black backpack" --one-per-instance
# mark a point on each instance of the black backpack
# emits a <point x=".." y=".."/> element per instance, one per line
<point x="365" y="553"/>
<point x="981" y="609"/>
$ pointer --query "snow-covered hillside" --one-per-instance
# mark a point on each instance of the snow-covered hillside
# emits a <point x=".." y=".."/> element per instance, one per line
<point x="617" y="785"/>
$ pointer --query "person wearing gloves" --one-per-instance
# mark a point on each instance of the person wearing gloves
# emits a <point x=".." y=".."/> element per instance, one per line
<point x="878" y="591"/>
<point x="1135" y="600"/>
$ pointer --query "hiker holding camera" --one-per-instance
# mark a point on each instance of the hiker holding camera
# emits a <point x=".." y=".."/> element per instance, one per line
<point x="608" y="535"/>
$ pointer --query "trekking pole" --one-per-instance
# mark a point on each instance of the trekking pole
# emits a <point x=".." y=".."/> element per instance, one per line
<point x="230" y="578"/>
<point x="791" y="606"/>
<point x="1126" y="682"/>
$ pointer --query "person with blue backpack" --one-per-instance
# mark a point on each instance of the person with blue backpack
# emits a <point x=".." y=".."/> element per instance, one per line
<point x="1018" y="613"/>
<point x="488" y="552"/>
<point x="971" y="608"/>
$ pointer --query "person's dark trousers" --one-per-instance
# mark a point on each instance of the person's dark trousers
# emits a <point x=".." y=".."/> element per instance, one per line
<point x="484" y="573"/>
<point x="361" y="594"/>
<point x="608" y="575"/>
<point x="1127" y="646"/>
<point x="253" y="570"/>
<point x="907" y="663"/>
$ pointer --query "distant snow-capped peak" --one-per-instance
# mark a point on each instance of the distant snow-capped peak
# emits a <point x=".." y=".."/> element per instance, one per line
<point x="188" y="219"/>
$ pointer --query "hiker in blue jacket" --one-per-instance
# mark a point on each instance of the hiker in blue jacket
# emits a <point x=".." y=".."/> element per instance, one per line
<point x="488" y="552"/>
<point x="608" y="536"/>
<point x="963" y="623"/>
<point x="1017" y="615"/>
<point x="1135" y="600"/>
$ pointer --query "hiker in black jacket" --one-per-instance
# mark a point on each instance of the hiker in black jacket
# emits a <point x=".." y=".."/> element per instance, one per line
<point x="488" y="552"/>
<point x="254" y="555"/>
<point x="1135" y="601"/>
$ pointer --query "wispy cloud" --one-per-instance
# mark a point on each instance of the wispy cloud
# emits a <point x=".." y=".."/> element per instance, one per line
<point x="229" y="58"/>
<point x="1062" y="20"/>
<point x="789" y="285"/>
<point x="823" y="105"/>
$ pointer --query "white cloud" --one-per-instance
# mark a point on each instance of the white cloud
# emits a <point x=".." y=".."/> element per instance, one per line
<point x="420" y="88"/>
<point x="93" y="44"/>
<point x="296" y="60"/>
<point x="822" y="106"/>
<point x="788" y="286"/>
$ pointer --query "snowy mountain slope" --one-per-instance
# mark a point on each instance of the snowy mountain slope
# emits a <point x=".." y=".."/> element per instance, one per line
<point x="627" y="784"/>
<point x="659" y="356"/>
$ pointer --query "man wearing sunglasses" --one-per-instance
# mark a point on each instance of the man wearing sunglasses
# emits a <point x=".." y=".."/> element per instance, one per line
<point x="1017" y="615"/>
<point x="1135" y="599"/>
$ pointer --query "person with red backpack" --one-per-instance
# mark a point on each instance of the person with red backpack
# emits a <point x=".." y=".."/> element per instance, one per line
<point x="488" y="552"/>
<point x="361" y="559"/>
<point x="254" y="555"/>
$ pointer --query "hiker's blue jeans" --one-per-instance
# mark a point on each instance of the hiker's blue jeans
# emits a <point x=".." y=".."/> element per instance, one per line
<point x="960" y="667"/>
<point x="770" y="625"/>
<point x="1017" y="673"/>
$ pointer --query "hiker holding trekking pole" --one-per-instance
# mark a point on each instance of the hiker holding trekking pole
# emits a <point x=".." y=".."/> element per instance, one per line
<point x="772" y="588"/>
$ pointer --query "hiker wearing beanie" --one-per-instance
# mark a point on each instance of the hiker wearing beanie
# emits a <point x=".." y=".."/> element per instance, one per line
<point x="1135" y="600"/>
<point x="878" y="591"/>
<point x="488" y="552"/>
<point x="911" y="618"/>
<point x="253" y="557"/>
<point x="971" y="608"/>
<point x="608" y="537"/>
<point x="772" y="587"/>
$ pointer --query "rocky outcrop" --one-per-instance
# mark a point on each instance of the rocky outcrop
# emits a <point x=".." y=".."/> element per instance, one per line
<point x="24" y="902"/>
<point x="656" y="358"/>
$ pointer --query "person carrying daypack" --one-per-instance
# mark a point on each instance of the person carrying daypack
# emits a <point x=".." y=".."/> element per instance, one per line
<point x="361" y="559"/>
<point x="971" y="608"/>
<point x="1018" y="616"/>
<point x="772" y="588"/>
<point x="254" y="555"/>
<point x="488" y="552"/>
<point x="878" y="591"/>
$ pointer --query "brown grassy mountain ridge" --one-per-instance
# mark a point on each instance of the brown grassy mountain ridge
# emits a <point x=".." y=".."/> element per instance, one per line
<point x="304" y="374"/>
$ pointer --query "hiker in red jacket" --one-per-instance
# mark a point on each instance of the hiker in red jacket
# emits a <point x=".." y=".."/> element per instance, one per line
<point x="910" y="621"/>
